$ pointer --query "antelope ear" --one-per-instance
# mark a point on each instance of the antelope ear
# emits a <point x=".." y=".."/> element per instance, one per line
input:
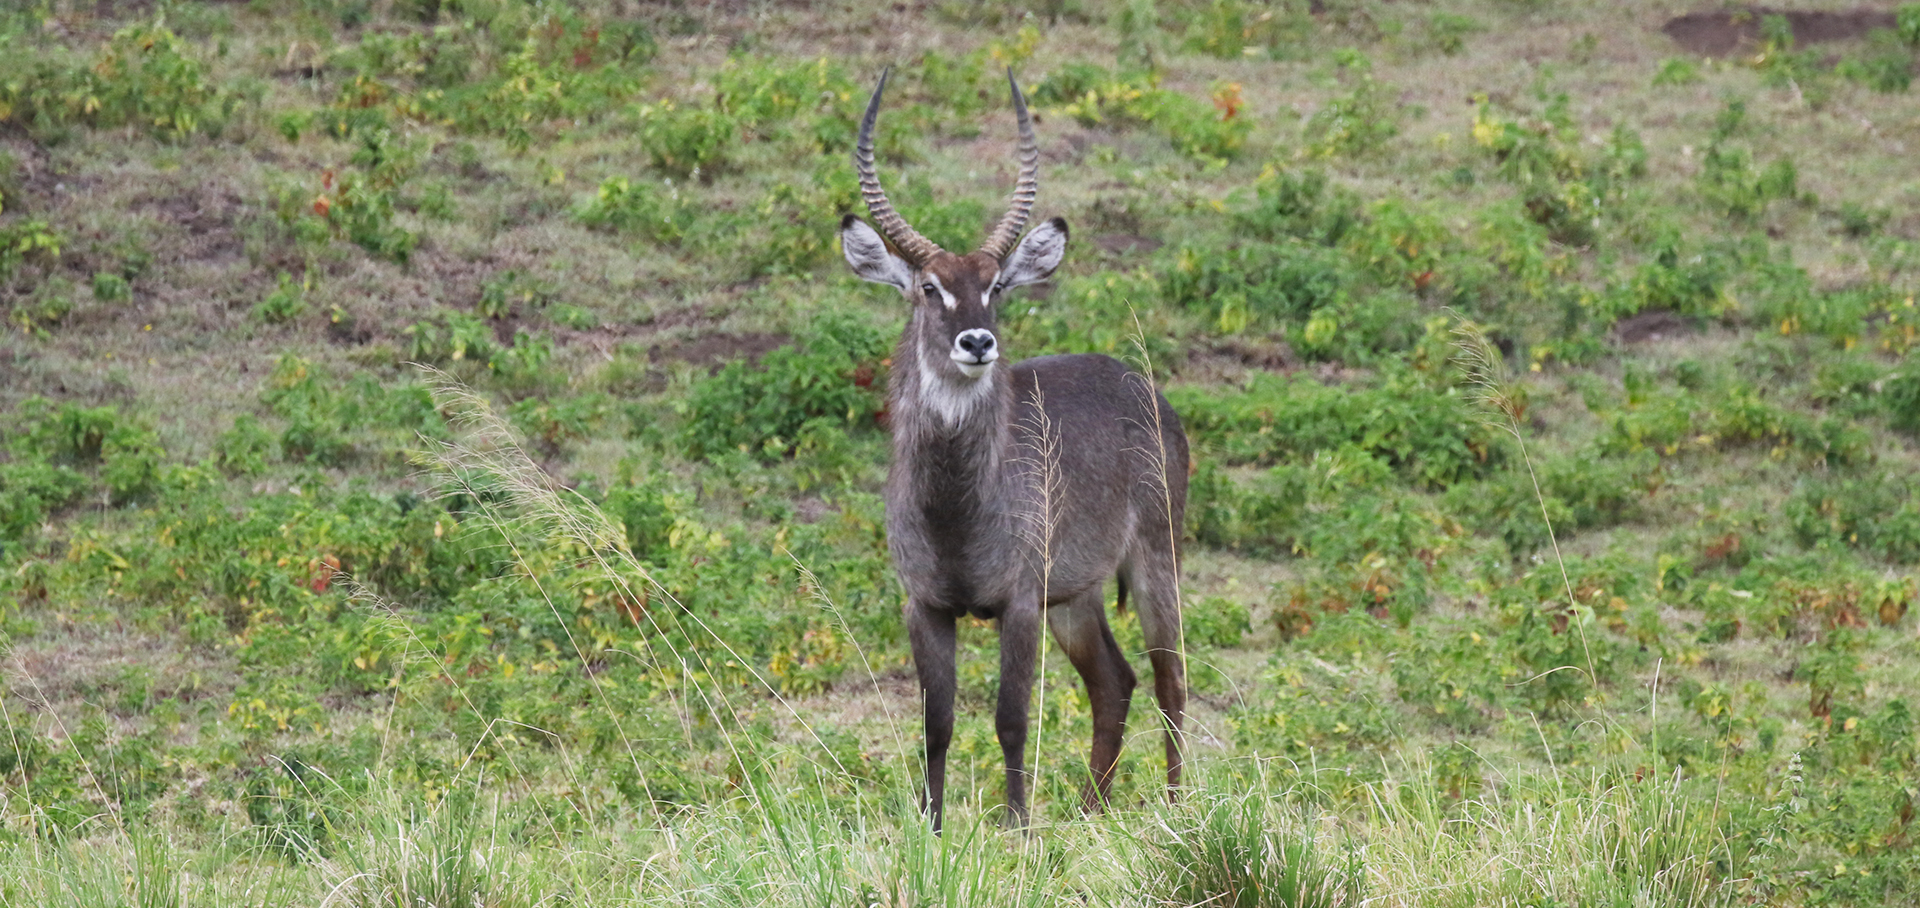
<point x="1037" y="255"/>
<point x="869" y="256"/>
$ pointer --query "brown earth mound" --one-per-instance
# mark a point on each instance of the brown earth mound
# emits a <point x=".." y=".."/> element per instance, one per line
<point x="1719" y="34"/>
<point x="1652" y="325"/>
<point x="716" y="350"/>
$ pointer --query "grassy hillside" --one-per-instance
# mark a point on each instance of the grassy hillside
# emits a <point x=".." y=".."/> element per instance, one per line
<point x="440" y="450"/>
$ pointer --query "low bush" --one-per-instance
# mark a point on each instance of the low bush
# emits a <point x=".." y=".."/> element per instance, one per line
<point x="688" y="142"/>
<point x="31" y="491"/>
<point x="815" y="385"/>
<point x="1357" y="124"/>
<point x="654" y="211"/>
<point x="1433" y="436"/>
<point x="26" y="241"/>
<point x="145" y="77"/>
<point x="1207" y="132"/>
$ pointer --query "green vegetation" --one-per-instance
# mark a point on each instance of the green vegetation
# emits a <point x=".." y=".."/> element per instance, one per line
<point x="440" y="452"/>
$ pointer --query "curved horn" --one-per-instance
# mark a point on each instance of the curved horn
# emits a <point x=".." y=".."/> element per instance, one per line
<point x="918" y="249"/>
<point x="1000" y="242"/>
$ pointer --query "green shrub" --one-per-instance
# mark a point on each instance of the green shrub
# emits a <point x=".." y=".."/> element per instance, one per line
<point x="111" y="288"/>
<point x="48" y="306"/>
<point x="1208" y="132"/>
<point x="32" y="490"/>
<point x="1216" y="622"/>
<point x="687" y="142"/>
<point x="1729" y="182"/>
<point x="286" y="302"/>
<point x="1453" y="678"/>
<point x="26" y="241"/>
<point x="1295" y="203"/>
<point x="244" y="449"/>
<point x="65" y="434"/>
<point x="1433" y="436"/>
<point x="1262" y="516"/>
<point x="145" y="77"/>
<point x="510" y="291"/>
<point x="317" y="414"/>
<point x="766" y="95"/>
<point x="1900" y="394"/>
<point x="130" y="465"/>
<point x="1357" y="124"/>
<point x="1889" y="72"/>
<point x="810" y="386"/>
<point x="1559" y="647"/>
<point x="1227" y="29"/>
<point x="350" y="205"/>
<point x="125" y="452"/>
<point x="450" y="337"/>
<point x="1876" y="514"/>
<point x="656" y="212"/>
<point x="1448" y="31"/>
<point x="957" y="84"/>
<point x="1258" y="284"/>
<point x="1540" y="155"/>
<point x="564" y="72"/>
<point x="646" y="515"/>
<point x="1677" y="71"/>
<point x="1317" y="710"/>
<point x="552" y="424"/>
<point x="790" y="240"/>
<point x="1584" y="490"/>
<point x="1678" y="276"/>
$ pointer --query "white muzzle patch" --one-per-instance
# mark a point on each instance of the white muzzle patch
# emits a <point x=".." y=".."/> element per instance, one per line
<point x="974" y="351"/>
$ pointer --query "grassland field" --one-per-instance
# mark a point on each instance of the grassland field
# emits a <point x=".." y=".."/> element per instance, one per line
<point x="441" y="449"/>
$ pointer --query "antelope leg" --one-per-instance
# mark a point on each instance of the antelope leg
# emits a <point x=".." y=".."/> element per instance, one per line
<point x="931" y="635"/>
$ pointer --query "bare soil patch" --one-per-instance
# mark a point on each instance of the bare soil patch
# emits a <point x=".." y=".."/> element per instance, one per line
<point x="1230" y="359"/>
<point x="1652" y="325"/>
<point x="716" y="350"/>
<point x="1731" y="31"/>
<point x="202" y="221"/>
<point x="1126" y="243"/>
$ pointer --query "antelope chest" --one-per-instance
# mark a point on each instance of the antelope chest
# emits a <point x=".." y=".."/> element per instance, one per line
<point x="950" y="557"/>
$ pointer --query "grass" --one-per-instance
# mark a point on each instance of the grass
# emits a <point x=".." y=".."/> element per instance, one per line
<point x="601" y="611"/>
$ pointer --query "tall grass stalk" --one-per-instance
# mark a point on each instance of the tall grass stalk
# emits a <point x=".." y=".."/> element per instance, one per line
<point x="1486" y="374"/>
<point x="487" y="447"/>
<point x="1545" y="842"/>
<point x="1042" y="455"/>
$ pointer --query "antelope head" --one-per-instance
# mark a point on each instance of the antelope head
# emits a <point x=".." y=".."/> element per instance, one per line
<point x="953" y="296"/>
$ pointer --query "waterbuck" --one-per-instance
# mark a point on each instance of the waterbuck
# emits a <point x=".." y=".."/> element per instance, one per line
<point x="1018" y="489"/>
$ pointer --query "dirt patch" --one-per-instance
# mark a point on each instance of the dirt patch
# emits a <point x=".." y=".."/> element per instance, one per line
<point x="811" y="509"/>
<point x="1126" y="243"/>
<point x="716" y="350"/>
<point x="38" y="184"/>
<point x="1272" y="355"/>
<point x="1230" y="359"/>
<point x="681" y="318"/>
<point x="1653" y="325"/>
<point x="1727" y="32"/>
<point x="202" y="222"/>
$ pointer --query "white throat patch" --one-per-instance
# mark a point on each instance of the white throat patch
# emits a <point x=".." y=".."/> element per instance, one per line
<point x="950" y="401"/>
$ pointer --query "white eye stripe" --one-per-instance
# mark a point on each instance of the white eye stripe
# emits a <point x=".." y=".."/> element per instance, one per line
<point x="945" y="297"/>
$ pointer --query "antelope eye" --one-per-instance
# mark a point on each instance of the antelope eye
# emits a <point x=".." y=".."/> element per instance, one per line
<point x="929" y="289"/>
